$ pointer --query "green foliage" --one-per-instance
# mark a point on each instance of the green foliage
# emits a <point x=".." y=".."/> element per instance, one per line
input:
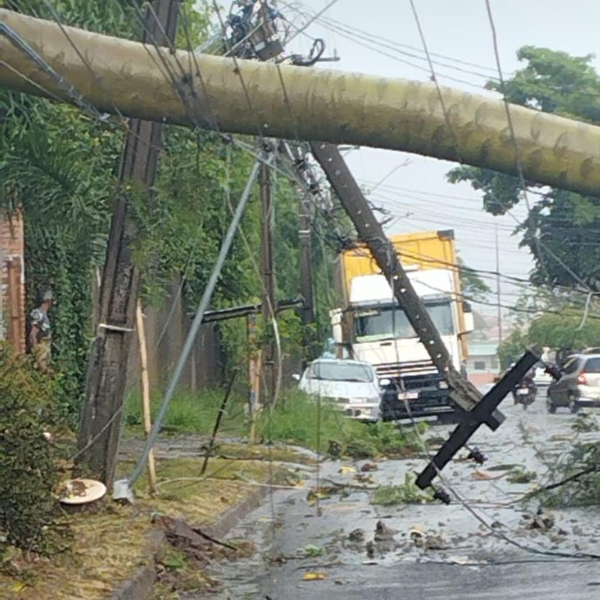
<point x="521" y="475"/>
<point x="60" y="166"/>
<point x="563" y="331"/>
<point x="558" y="331"/>
<point x="404" y="493"/>
<point x="582" y="463"/>
<point x="585" y="422"/>
<point x="564" y="222"/>
<point x="29" y="475"/>
<point x="473" y="286"/>
<point x="512" y="348"/>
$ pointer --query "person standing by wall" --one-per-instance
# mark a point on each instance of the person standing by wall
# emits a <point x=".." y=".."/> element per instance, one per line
<point x="40" y="333"/>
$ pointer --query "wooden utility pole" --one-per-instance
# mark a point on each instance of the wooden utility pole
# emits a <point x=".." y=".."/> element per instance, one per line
<point x="307" y="312"/>
<point x="269" y="302"/>
<point x="102" y="414"/>
<point x="370" y="231"/>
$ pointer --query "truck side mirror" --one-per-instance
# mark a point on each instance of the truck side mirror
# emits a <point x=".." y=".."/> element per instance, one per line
<point x="296" y="376"/>
<point x="336" y="325"/>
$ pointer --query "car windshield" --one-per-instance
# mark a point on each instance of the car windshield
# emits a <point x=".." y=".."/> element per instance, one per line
<point x="592" y="365"/>
<point x="340" y="371"/>
<point x="392" y="323"/>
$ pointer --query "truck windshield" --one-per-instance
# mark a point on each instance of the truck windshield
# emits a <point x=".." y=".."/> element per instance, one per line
<point x="392" y="323"/>
<point x="340" y="371"/>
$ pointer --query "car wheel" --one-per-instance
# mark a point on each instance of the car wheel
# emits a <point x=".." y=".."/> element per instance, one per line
<point x="551" y="408"/>
<point x="573" y="406"/>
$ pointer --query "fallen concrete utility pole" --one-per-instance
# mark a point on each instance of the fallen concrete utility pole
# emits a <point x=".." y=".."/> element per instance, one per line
<point x="333" y="106"/>
<point x="371" y="233"/>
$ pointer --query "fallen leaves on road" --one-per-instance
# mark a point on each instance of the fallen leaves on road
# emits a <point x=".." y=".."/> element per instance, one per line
<point x="312" y="551"/>
<point x="314" y="576"/>
<point x="484" y="476"/>
<point x="346" y="470"/>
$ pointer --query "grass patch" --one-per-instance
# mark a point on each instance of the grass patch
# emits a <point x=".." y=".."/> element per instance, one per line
<point x="404" y="493"/>
<point x="108" y="546"/>
<point x="191" y="413"/>
<point x="298" y="419"/>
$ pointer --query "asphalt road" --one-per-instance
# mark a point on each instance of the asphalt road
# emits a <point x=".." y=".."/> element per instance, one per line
<point x="482" y="548"/>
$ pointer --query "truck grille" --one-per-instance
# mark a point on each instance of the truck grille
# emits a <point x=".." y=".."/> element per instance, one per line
<point x="408" y="369"/>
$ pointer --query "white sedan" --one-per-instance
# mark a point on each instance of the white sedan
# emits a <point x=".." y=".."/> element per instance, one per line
<point x="352" y="386"/>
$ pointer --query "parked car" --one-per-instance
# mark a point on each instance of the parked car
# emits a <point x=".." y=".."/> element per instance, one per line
<point x="350" y="384"/>
<point x="579" y="384"/>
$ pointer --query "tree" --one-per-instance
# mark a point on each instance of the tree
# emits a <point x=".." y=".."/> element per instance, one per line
<point x="60" y="166"/>
<point x="562" y="226"/>
<point x="473" y="286"/>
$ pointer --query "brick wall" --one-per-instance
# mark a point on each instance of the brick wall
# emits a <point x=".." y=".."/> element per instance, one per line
<point x="12" y="288"/>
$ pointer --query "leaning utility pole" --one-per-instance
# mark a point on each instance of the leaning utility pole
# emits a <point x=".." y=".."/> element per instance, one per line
<point x="370" y="231"/>
<point x="269" y="302"/>
<point x="102" y="414"/>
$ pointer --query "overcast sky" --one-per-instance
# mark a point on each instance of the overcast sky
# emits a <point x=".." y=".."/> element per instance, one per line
<point x="459" y="31"/>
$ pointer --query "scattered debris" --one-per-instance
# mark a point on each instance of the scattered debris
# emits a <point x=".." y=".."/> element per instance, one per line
<point x="357" y="536"/>
<point x="367" y="467"/>
<point x="405" y="493"/>
<point x="585" y="422"/>
<point x="312" y="551"/>
<point x="541" y="520"/>
<point x="521" y="476"/>
<point x="199" y="547"/>
<point x="477" y="455"/>
<point x="314" y="576"/>
<point x="485" y="476"/>
<point x="81" y="491"/>
<point x="345" y="470"/>
<point x="417" y="537"/>
<point x="383" y="533"/>
<point x="335" y="449"/>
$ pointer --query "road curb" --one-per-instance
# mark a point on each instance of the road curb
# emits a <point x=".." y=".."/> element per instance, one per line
<point x="139" y="586"/>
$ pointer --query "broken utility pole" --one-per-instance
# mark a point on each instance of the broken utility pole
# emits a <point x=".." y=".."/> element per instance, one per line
<point x="269" y="303"/>
<point x="462" y="393"/>
<point x="101" y="422"/>
<point x="475" y="418"/>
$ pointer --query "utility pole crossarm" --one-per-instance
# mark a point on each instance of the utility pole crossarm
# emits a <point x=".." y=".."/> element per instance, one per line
<point x="371" y="233"/>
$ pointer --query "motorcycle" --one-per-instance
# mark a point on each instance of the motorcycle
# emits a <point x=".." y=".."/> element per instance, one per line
<point x="525" y="393"/>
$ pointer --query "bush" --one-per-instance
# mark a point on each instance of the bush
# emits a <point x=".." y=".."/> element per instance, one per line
<point x="28" y="474"/>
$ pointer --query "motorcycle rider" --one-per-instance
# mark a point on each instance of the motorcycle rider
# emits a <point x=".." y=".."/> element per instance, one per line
<point x="527" y="381"/>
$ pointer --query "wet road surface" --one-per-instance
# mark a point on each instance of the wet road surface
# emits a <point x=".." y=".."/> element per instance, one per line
<point x="426" y="551"/>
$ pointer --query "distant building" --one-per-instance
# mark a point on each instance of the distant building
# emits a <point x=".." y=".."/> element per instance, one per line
<point x="483" y="364"/>
<point x="12" y="281"/>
